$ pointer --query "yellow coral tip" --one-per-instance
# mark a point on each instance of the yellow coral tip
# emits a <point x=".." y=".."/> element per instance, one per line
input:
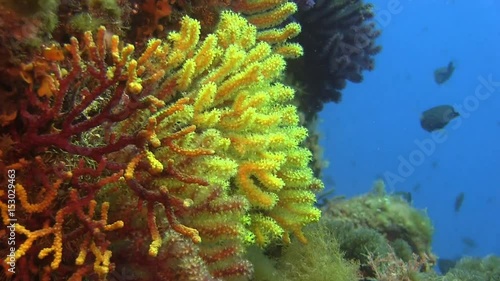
<point x="135" y="87"/>
<point x="187" y="203"/>
<point x="154" y="247"/>
<point x="53" y="53"/>
<point x="196" y="239"/>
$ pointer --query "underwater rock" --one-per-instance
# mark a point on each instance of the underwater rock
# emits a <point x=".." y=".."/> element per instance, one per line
<point x="445" y="265"/>
<point x="387" y="214"/>
<point x="473" y="268"/>
<point x="437" y="117"/>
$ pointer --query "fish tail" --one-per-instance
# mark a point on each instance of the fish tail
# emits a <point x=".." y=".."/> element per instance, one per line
<point x="451" y="66"/>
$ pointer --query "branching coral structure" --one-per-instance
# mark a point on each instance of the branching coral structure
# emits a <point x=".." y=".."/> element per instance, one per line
<point x="168" y="162"/>
<point x="339" y="44"/>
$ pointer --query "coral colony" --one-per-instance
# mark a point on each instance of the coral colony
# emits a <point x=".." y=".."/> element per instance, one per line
<point x="174" y="158"/>
<point x="339" y="44"/>
<point x="171" y="140"/>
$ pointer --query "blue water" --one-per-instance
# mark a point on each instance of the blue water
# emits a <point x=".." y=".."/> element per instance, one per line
<point x="375" y="131"/>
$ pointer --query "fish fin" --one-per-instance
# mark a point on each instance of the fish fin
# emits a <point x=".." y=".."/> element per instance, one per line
<point x="451" y="67"/>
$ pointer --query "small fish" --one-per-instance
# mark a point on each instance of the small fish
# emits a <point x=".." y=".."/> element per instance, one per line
<point x="405" y="195"/>
<point x="459" y="201"/>
<point x="437" y="117"/>
<point x="469" y="242"/>
<point x="442" y="74"/>
<point x="324" y="196"/>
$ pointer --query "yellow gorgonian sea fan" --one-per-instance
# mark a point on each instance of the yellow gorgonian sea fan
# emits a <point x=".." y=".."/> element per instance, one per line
<point x="268" y="16"/>
<point x="253" y="129"/>
<point x="188" y="151"/>
<point x="236" y="110"/>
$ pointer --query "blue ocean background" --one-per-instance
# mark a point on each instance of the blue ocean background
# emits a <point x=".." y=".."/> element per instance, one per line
<point x="375" y="131"/>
